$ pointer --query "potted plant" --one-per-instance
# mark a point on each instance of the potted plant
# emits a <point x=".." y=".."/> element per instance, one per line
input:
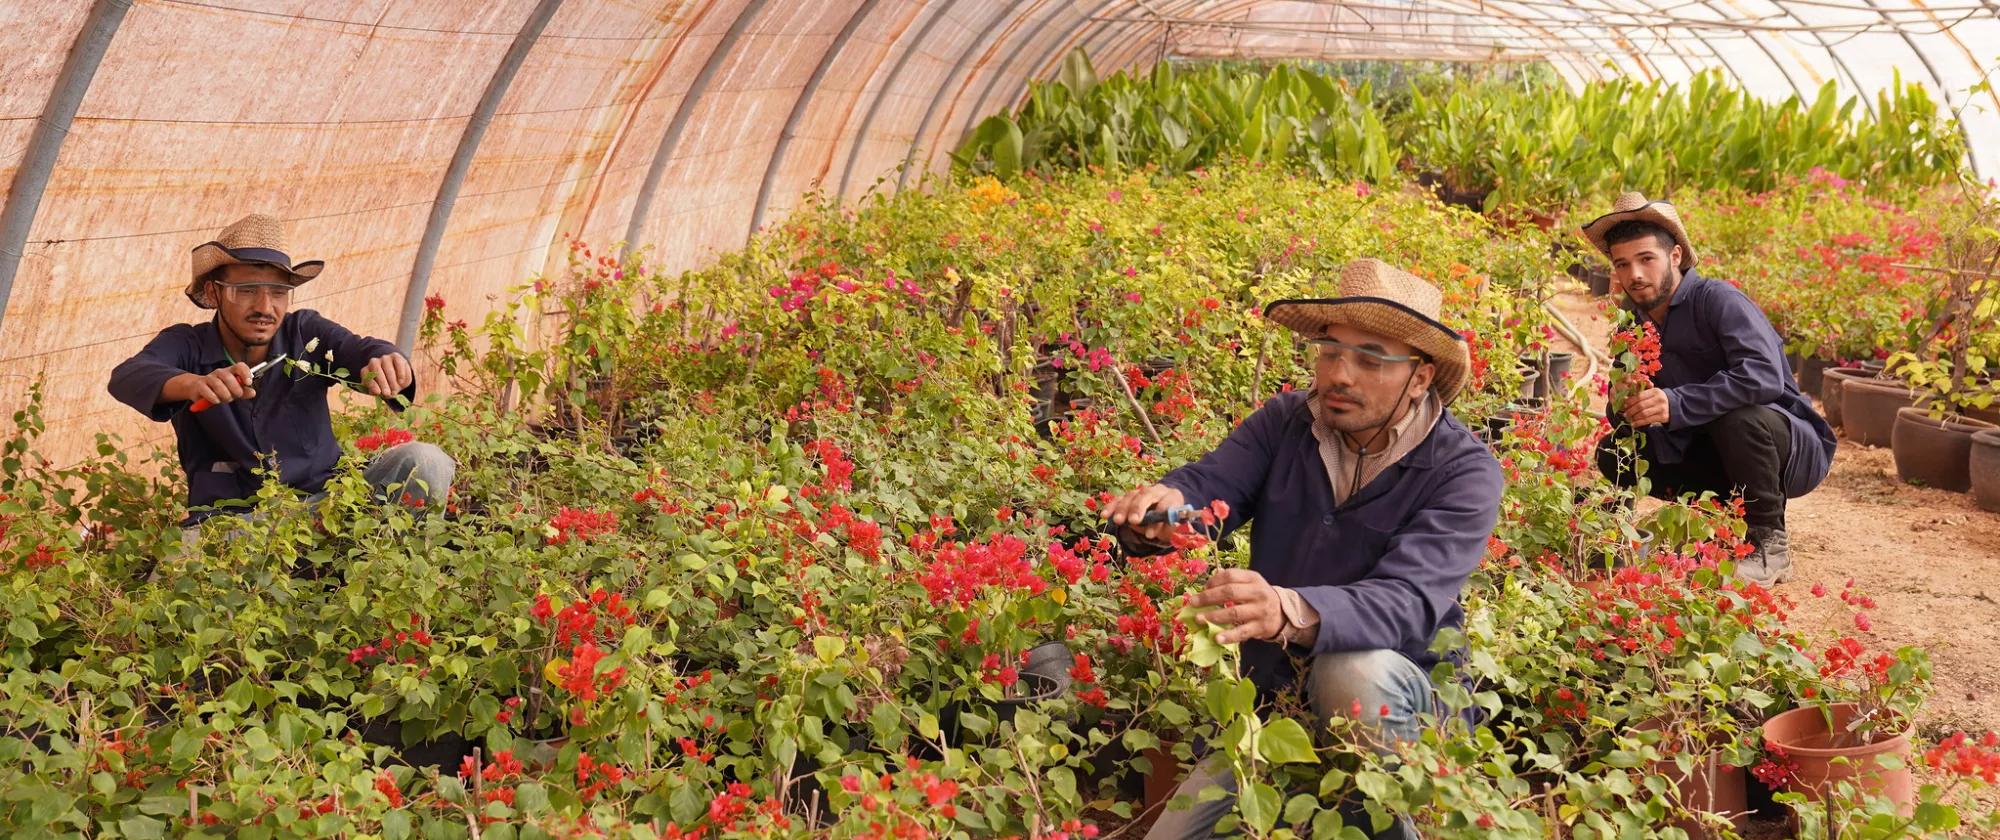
<point x="1933" y="441"/>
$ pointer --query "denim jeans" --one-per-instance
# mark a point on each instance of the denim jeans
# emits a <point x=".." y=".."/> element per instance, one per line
<point x="416" y="471"/>
<point x="1373" y="678"/>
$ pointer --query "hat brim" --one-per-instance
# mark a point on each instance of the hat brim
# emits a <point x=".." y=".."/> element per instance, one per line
<point x="1649" y="212"/>
<point x="1309" y="317"/>
<point x="210" y="256"/>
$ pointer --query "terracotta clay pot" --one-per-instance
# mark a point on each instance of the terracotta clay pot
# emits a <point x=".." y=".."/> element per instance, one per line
<point x="1984" y="467"/>
<point x="1934" y="453"/>
<point x="1868" y="409"/>
<point x="1829" y="392"/>
<point x="1710" y="786"/>
<point x="1810" y="372"/>
<point x="1810" y="745"/>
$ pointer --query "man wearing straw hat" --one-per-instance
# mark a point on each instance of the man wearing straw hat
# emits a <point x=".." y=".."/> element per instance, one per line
<point x="1373" y="505"/>
<point x="228" y="425"/>
<point x="1724" y="414"/>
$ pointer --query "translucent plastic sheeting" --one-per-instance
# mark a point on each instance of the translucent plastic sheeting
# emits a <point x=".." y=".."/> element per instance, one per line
<point x="344" y="117"/>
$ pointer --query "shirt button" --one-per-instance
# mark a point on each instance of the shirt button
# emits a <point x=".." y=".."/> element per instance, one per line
<point x="1327" y="520"/>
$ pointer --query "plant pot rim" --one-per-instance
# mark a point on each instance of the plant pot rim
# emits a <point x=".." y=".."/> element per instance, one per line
<point x="1877" y="383"/>
<point x="1989" y="436"/>
<point x="1818" y="714"/>
<point x="1962" y="424"/>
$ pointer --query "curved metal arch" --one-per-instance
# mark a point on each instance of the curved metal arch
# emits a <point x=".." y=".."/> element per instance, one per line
<point x="461" y="164"/>
<point x="1061" y="46"/>
<point x="875" y="104"/>
<point x="799" y="106"/>
<point x="642" y="205"/>
<point x="978" y="110"/>
<point x="979" y="41"/>
<point x="38" y="161"/>
<point x="1944" y="93"/>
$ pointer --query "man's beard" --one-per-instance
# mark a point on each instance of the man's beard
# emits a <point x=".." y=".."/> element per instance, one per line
<point x="1351" y="421"/>
<point x="1661" y="290"/>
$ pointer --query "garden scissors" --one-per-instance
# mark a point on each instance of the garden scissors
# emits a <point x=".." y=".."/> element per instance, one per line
<point x="1174" y="515"/>
<point x="204" y="405"/>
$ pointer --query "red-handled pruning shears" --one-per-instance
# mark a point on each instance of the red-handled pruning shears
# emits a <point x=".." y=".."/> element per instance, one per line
<point x="204" y="405"/>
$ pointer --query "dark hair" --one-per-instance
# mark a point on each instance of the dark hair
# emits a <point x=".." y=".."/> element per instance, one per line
<point x="1632" y="229"/>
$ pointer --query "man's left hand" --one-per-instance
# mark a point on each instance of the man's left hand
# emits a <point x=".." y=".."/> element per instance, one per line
<point x="387" y="375"/>
<point x="1247" y="604"/>
<point x="1650" y="408"/>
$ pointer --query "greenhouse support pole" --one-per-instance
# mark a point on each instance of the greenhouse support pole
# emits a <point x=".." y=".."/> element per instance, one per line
<point x="38" y="162"/>
<point x="461" y="163"/>
<point x="799" y="105"/>
<point x="644" y="203"/>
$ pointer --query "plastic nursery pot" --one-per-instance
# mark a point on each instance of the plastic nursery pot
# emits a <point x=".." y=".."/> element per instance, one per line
<point x="1821" y="759"/>
<point x="1868" y="409"/>
<point x="1932" y="452"/>
<point x="1530" y="390"/>
<point x="1550" y="375"/>
<point x="1811" y="371"/>
<point x="1829" y="391"/>
<point x="1709" y="786"/>
<point x="1599" y="280"/>
<point x="1984" y="468"/>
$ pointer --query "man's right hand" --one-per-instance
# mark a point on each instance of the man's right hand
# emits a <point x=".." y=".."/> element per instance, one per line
<point x="1128" y="509"/>
<point x="222" y="385"/>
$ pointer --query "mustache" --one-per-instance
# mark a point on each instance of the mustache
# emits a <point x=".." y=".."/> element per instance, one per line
<point x="1317" y="394"/>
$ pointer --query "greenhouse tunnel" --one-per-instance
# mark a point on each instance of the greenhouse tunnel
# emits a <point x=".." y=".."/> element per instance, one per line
<point x="449" y="148"/>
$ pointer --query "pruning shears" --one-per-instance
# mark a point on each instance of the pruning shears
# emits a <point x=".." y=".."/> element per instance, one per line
<point x="1174" y="515"/>
<point x="204" y="405"/>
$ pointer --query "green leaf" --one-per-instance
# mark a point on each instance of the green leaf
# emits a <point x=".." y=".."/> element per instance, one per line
<point x="1285" y="741"/>
<point x="1259" y="806"/>
<point x="142" y="828"/>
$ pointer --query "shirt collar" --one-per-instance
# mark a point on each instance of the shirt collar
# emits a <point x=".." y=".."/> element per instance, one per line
<point x="209" y="341"/>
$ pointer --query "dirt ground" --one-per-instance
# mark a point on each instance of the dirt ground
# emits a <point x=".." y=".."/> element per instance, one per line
<point x="1929" y="558"/>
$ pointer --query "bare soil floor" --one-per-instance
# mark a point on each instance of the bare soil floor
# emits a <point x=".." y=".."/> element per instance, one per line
<point x="1929" y="558"/>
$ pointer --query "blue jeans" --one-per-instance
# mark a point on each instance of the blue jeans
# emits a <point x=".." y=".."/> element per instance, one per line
<point x="1374" y="678"/>
<point x="416" y="471"/>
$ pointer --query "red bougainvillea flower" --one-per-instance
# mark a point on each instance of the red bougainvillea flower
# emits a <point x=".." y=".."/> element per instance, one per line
<point x="580" y="524"/>
<point x="383" y="439"/>
<point x="1960" y="756"/>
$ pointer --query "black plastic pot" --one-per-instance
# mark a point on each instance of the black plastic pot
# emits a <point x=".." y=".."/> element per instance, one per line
<point x="443" y="751"/>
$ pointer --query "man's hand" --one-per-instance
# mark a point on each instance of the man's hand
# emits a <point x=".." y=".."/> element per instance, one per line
<point x="222" y="385"/>
<point x="1248" y="605"/>
<point x="1128" y="509"/>
<point x="387" y="375"/>
<point x="1649" y="408"/>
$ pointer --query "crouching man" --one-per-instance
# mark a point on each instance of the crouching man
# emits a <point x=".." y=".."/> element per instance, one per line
<point x="1373" y="505"/>
<point x="228" y="424"/>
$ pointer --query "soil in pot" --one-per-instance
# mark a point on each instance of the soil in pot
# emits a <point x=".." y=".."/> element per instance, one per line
<point x="1821" y="753"/>
<point x="1829" y="392"/>
<point x="1810" y="372"/>
<point x="1984" y="468"/>
<point x="1932" y="452"/>
<point x="1868" y="409"/>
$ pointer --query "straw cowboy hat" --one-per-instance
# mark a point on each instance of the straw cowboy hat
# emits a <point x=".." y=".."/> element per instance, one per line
<point x="255" y="239"/>
<point x="1375" y="296"/>
<point x="1634" y="206"/>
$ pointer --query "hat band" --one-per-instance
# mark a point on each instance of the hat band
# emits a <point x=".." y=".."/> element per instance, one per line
<point x="1395" y="304"/>
<point x="261" y="255"/>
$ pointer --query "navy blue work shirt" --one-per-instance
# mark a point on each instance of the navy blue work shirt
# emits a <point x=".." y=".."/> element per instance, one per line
<point x="1386" y="568"/>
<point x="1718" y="353"/>
<point x="287" y="425"/>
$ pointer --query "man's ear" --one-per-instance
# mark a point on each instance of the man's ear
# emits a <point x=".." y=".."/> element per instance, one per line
<point x="1421" y="382"/>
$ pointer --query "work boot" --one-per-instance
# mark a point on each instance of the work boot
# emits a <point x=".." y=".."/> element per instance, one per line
<point x="1771" y="563"/>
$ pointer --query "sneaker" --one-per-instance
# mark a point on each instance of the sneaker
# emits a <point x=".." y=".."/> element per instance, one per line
<point x="1771" y="563"/>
